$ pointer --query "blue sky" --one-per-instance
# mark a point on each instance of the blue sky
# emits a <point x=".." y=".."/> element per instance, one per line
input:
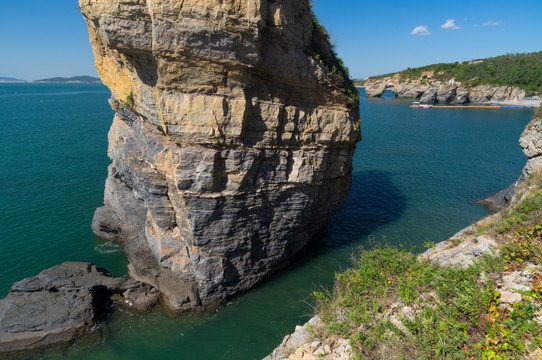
<point x="45" y="38"/>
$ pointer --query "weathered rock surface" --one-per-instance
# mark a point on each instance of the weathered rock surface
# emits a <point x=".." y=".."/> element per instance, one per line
<point x="531" y="143"/>
<point x="461" y="249"/>
<point x="431" y="91"/>
<point x="231" y="147"/>
<point x="429" y="96"/>
<point x="64" y="302"/>
<point x="303" y="344"/>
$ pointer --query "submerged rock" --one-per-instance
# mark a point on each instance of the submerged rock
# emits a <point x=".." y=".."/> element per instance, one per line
<point x="232" y="143"/>
<point x="63" y="302"/>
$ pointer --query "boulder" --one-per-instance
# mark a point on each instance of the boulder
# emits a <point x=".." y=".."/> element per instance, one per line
<point x="461" y="96"/>
<point x="446" y="94"/>
<point x="429" y="96"/>
<point x="64" y="302"/>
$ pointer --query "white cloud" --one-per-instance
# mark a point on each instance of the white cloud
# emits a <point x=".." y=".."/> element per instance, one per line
<point x="450" y="24"/>
<point x="493" y="23"/>
<point x="420" y="30"/>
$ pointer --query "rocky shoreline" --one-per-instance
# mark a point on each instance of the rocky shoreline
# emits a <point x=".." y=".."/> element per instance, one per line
<point x="65" y="302"/>
<point x="430" y="91"/>
<point x="462" y="249"/>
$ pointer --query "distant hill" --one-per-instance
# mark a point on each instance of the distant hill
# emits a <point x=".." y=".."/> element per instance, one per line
<point x="8" y="79"/>
<point x="75" y="79"/>
<point x="520" y="70"/>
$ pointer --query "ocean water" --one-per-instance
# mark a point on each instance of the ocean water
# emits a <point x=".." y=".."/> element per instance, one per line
<point x="417" y="177"/>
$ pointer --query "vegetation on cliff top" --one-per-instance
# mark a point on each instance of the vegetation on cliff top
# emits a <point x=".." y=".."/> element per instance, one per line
<point x="321" y="49"/>
<point x="451" y="312"/>
<point x="521" y="70"/>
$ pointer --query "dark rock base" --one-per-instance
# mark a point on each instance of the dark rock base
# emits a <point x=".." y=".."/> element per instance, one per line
<point x="63" y="303"/>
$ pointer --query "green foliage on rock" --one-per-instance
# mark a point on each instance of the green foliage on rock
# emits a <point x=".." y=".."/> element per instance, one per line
<point x="522" y="70"/>
<point x="321" y="49"/>
<point x="99" y="39"/>
<point x="129" y="102"/>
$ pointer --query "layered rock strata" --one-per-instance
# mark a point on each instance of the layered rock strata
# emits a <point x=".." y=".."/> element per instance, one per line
<point x="231" y="145"/>
<point x="431" y="91"/>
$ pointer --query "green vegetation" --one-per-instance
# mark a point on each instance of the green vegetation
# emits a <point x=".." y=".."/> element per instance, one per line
<point x="520" y="70"/>
<point x="129" y="100"/>
<point x="321" y="50"/>
<point x="99" y="39"/>
<point x="538" y="112"/>
<point x="394" y="304"/>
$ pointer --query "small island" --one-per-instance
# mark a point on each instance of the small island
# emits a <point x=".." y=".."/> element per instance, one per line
<point x="75" y="79"/>
<point x="83" y="79"/>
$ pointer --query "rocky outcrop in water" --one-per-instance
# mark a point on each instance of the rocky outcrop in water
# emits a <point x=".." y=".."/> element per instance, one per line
<point x="531" y="143"/>
<point x="232" y="141"/>
<point x="311" y="341"/>
<point x="431" y="91"/>
<point x="63" y="302"/>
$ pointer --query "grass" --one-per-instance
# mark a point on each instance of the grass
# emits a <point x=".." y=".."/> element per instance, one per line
<point x="519" y="70"/>
<point x="392" y="303"/>
<point x="129" y="102"/>
<point x="99" y="39"/>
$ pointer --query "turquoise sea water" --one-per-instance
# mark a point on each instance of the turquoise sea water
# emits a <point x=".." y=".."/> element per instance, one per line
<point x="417" y="176"/>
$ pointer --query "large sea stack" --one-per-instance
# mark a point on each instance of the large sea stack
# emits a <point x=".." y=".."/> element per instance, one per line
<point x="232" y="142"/>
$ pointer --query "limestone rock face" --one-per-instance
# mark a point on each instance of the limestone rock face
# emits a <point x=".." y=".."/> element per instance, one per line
<point x="432" y="91"/>
<point x="231" y="146"/>
<point x="531" y="142"/>
<point x="429" y="96"/>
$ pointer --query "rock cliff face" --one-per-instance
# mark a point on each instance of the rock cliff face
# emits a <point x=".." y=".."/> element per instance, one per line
<point x="230" y="147"/>
<point x="434" y="91"/>
<point x="531" y="143"/>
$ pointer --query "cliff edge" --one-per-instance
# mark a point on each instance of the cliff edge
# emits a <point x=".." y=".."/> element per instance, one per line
<point x="232" y="142"/>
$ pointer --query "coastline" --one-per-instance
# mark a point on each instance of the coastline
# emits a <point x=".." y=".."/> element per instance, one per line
<point x="312" y="341"/>
<point x="524" y="103"/>
<point x="527" y="103"/>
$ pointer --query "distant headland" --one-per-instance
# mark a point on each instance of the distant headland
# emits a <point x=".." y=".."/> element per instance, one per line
<point x="510" y="78"/>
<point x="74" y="79"/>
